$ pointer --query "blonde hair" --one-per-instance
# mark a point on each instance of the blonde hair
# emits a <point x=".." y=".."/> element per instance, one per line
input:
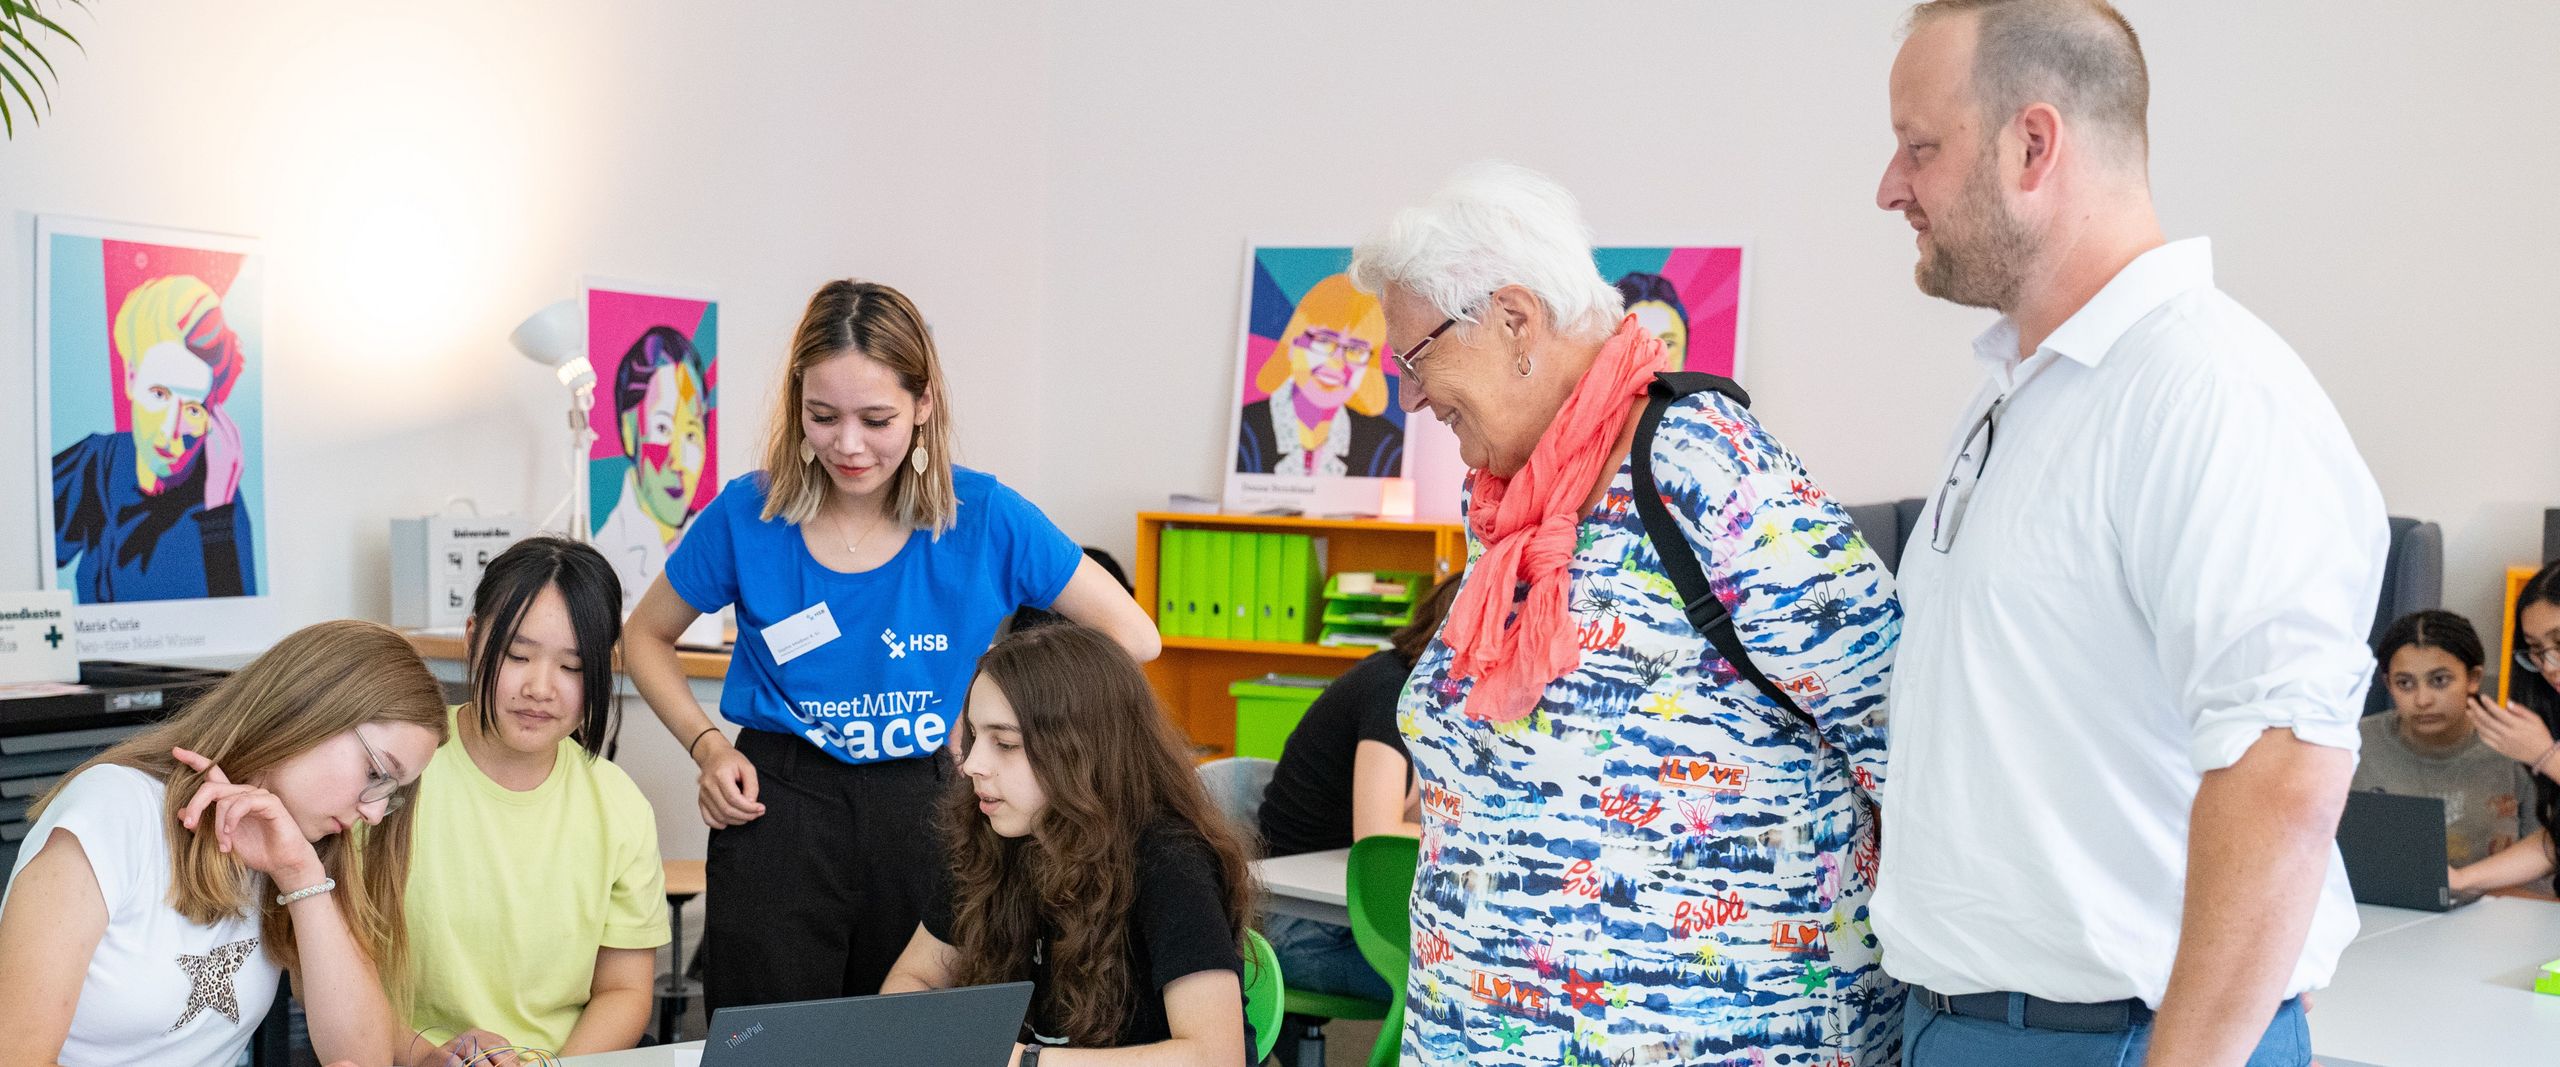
<point x="1337" y="304"/>
<point x="871" y="321"/>
<point x="317" y="683"/>
<point x="180" y="308"/>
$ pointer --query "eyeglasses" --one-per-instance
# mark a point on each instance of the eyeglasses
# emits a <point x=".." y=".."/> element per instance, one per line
<point x="2538" y="659"/>
<point x="1320" y="342"/>
<point x="1962" y="478"/>
<point x="1408" y="358"/>
<point x="380" y="784"/>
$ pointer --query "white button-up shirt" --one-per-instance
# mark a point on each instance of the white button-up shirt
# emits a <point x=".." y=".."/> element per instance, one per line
<point x="2172" y="547"/>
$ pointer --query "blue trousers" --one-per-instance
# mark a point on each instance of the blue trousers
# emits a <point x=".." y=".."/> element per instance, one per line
<point x="1322" y="958"/>
<point x="1935" y="1039"/>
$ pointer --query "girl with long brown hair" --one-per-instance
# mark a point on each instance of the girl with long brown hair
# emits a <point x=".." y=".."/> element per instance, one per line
<point x="1087" y="858"/>
<point x="868" y="573"/>
<point x="169" y="882"/>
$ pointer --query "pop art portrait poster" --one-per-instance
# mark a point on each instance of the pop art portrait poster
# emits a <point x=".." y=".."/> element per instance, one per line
<point x="1690" y="296"/>
<point x="654" y="462"/>
<point x="151" y="427"/>
<point x="1318" y="427"/>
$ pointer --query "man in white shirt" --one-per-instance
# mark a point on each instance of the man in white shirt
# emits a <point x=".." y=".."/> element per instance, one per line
<point x="2124" y="714"/>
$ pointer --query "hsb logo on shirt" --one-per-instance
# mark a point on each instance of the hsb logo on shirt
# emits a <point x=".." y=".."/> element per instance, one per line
<point x="914" y="643"/>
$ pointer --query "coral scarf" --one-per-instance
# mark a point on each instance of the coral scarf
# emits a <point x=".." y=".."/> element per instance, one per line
<point x="1527" y="524"/>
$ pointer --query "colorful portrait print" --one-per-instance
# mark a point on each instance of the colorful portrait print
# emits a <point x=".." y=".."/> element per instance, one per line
<point x="1689" y="297"/>
<point x="1320" y="402"/>
<point x="654" y="463"/>
<point x="158" y="507"/>
<point x="1656" y="306"/>
<point x="662" y="408"/>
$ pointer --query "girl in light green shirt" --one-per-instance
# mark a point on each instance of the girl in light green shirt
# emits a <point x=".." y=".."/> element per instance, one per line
<point x="536" y="898"/>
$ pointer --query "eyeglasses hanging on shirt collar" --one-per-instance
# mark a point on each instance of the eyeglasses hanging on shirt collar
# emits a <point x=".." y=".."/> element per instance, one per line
<point x="1947" y="516"/>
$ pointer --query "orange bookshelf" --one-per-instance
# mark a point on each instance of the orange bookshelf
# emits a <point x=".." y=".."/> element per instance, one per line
<point x="2516" y="578"/>
<point x="1192" y="675"/>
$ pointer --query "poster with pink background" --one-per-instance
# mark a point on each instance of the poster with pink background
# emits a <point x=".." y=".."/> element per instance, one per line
<point x="654" y="463"/>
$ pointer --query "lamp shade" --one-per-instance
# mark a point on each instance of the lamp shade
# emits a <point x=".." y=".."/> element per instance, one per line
<point x="554" y="336"/>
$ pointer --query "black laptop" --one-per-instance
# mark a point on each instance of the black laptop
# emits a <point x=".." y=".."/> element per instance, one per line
<point x="971" y="1027"/>
<point x="2394" y="849"/>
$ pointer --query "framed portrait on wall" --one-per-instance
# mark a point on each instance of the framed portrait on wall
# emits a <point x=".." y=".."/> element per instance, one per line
<point x="150" y="432"/>
<point x="654" y="463"/>
<point x="1317" y="423"/>
<point x="1690" y="296"/>
<point x="1316" y="427"/>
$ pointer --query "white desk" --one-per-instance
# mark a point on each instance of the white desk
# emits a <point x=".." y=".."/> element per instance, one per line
<point x="685" y="1055"/>
<point x="2416" y="989"/>
<point x="1308" y="885"/>
<point x="2451" y="989"/>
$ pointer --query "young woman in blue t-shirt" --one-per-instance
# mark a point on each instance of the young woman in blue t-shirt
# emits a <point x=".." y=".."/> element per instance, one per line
<point x="868" y="574"/>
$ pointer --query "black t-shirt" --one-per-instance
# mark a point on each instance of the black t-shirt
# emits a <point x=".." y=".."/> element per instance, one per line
<point x="1307" y="807"/>
<point x="1177" y="928"/>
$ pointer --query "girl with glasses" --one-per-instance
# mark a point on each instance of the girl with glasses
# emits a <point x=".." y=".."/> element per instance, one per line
<point x="538" y="900"/>
<point x="2522" y="729"/>
<point x="169" y="882"/>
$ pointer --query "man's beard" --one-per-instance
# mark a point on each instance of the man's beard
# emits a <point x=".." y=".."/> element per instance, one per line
<point x="1982" y="260"/>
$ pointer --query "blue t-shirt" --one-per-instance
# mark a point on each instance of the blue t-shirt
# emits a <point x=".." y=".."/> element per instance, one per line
<point x="895" y="680"/>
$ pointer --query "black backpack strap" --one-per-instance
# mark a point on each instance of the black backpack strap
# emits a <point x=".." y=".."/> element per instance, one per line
<point x="1679" y="557"/>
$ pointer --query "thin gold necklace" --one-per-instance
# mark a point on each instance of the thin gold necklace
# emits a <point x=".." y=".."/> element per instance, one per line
<point x="853" y="548"/>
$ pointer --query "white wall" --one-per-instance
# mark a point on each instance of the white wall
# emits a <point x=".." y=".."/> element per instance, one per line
<point x="424" y="178"/>
<point x="1066" y="187"/>
<point x="2371" y="174"/>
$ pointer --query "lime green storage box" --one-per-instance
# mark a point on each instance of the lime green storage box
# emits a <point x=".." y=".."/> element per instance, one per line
<point x="1268" y="708"/>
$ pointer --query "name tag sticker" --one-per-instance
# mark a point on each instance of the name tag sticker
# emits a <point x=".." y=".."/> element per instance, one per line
<point x="795" y="636"/>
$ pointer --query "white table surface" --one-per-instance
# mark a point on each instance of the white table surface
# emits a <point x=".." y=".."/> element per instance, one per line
<point x="1308" y="885"/>
<point x="685" y="1055"/>
<point x="2416" y="989"/>
<point x="2444" y="989"/>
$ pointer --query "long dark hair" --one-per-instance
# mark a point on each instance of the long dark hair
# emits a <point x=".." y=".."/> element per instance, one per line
<point x="594" y="596"/>
<point x="2532" y="690"/>
<point x="1112" y="767"/>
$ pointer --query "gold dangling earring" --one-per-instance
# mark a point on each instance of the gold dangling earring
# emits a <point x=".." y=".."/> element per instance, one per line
<point x="808" y="452"/>
<point x="1526" y="366"/>
<point x="919" y="459"/>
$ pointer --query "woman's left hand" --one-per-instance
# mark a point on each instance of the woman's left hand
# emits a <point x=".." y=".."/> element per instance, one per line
<point x="2515" y="731"/>
<point x="252" y="824"/>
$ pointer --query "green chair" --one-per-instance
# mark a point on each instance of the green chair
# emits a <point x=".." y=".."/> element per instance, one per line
<point x="1379" y="891"/>
<point x="1262" y="993"/>
<point x="1318" y="1008"/>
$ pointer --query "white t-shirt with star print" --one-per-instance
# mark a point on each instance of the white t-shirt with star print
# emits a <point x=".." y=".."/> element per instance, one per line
<point x="160" y="989"/>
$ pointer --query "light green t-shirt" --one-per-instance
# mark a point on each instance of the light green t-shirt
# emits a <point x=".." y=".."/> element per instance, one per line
<point x="512" y="894"/>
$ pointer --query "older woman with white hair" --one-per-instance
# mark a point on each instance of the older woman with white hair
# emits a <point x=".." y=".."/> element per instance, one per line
<point x="1636" y="848"/>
